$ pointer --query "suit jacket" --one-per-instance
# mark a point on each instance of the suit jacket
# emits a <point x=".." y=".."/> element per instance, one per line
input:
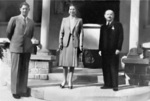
<point x="65" y="32"/>
<point x="20" y="35"/>
<point x="111" y="38"/>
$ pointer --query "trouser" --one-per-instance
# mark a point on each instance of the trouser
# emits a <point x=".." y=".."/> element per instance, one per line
<point x="110" y="67"/>
<point x="19" y="72"/>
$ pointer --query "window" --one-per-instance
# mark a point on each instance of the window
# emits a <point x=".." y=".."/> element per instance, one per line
<point x="37" y="13"/>
<point x="9" y="8"/>
<point x="148" y="13"/>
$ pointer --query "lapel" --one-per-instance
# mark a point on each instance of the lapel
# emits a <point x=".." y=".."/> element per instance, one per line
<point x="112" y="23"/>
<point x="73" y="26"/>
<point x="110" y="26"/>
<point x="25" y="26"/>
<point x="22" y="20"/>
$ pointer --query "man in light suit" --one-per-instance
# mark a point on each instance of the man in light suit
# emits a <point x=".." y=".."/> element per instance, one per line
<point x="111" y="40"/>
<point x="20" y="31"/>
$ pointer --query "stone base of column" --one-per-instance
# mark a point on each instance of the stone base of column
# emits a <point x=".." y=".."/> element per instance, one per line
<point x="43" y="52"/>
<point x="137" y="69"/>
<point x="133" y="53"/>
<point x="41" y="65"/>
<point x="138" y="73"/>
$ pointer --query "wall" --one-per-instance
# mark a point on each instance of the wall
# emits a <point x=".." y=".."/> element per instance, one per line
<point x="3" y="30"/>
<point x="3" y="27"/>
<point x="125" y="20"/>
<point x="144" y="27"/>
<point x="144" y="35"/>
<point x="55" y="22"/>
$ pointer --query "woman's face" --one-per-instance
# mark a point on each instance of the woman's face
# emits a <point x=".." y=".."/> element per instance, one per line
<point x="72" y="10"/>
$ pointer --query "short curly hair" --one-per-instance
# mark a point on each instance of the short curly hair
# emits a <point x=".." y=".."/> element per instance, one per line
<point x="24" y="3"/>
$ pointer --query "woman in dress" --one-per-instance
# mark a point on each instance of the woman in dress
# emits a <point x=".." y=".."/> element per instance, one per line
<point x="70" y="44"/>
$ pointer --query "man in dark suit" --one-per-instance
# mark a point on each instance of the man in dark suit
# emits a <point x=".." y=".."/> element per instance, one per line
<point x="111" y="40"/>
<point x="20" y="31"/>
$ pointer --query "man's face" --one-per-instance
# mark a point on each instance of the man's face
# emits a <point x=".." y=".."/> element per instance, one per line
<point x="109" y="15"/>
<point x="72" y="10"/>
<point x="24" y="10"/>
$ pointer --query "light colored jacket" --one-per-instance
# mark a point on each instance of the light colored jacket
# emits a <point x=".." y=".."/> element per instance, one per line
<point x="20" y="35"/>
<point x="65" y="32"/>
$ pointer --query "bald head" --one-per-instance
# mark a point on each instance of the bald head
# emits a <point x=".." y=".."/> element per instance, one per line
<point x="109" y="15"/>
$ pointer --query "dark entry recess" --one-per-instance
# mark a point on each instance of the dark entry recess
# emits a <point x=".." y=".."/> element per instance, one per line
<point x="92" y="11"/>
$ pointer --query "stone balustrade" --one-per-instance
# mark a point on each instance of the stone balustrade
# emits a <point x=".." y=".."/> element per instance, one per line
<point x="40" y="66"/>
<point x="138" y="69"/>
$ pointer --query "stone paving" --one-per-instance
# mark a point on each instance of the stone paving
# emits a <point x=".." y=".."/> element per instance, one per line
<point x="48" y="91"/>
<point x="5" y="93"/>
<point x="87" y="92"/>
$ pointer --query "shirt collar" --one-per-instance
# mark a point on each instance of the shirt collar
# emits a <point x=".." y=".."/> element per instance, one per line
<point x="109" y="22"/>
<point x="24" y="17"/>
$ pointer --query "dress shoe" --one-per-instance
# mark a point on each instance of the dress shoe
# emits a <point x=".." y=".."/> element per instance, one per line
<point x="27" y="94"/>
<point x="115" y="89"/>
<point x="62" y="86"/>
<point x="70" y="87"/>
<point x="105" y="87"/>
<point x="16" y="96"/>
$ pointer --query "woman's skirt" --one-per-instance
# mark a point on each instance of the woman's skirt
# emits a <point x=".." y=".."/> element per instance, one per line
<point x="69" y="55"/>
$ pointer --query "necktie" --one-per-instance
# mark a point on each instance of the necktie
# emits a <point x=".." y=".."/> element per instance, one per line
<point x="108" y="23"/>
<point x="25" y="22"/>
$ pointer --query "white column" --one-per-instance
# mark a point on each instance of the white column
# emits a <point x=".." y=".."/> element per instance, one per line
<point x="45" y="24"/>
<point x="31" y="3"/>
<point x="134" y="29"/>
<point x="134" y="24"/>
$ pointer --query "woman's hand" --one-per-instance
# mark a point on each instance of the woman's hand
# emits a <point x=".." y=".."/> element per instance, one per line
<point x="60" y="47"/>
<point x="81" y="48"/>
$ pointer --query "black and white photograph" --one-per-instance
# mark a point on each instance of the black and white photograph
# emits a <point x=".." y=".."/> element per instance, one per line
<point x="74" y="50"/>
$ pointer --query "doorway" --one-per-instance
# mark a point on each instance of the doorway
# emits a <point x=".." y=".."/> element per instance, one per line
<point x="92" y="11"/>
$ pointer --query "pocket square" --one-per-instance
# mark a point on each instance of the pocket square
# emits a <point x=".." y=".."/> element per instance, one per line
<point x="113" y="28"/>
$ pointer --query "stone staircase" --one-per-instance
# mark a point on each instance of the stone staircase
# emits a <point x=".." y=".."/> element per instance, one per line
<point x="90" y="92"/>
<point x="87" y="83"/>
<point x="84" y="75"/>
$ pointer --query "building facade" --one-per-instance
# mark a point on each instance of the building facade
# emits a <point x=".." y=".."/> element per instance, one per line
<point x="47" y="14"/>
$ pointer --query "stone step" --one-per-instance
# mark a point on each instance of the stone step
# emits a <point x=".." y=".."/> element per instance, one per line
<point x="78" y="70"/>
<point x="90" y="92"/>
<point x="50" y="91"/>
<point x="80" y="75"/>
<point x="79" y="78"/>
